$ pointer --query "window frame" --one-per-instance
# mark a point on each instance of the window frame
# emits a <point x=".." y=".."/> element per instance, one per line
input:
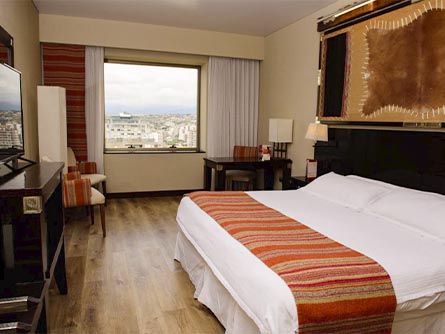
<point x="139" y="150"/>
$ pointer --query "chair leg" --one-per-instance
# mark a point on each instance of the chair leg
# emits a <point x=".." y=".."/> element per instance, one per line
<point x="91" y="209"/>
<point x="102" y="219"/>
<point x="252" y="184"/>
<point x="65" y="217"/>
<point x="104" y="191"/>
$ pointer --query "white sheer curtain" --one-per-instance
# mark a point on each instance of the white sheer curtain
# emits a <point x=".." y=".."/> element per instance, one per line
<point x="95" y="104"/>
<point x="233" y="105"/>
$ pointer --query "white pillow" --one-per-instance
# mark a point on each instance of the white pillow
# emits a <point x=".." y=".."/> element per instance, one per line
<point x="380" y="183"/>
<point x="421" y="211"/>
<point x="348" y="192"/>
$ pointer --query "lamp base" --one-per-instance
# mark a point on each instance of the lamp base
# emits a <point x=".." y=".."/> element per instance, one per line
<point x="279" y="150"/>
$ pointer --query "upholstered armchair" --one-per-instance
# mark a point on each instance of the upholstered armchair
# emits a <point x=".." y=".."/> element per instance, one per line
<point x="242" y="179"/>
<point x="88" y="170"/>
<point x="77" y="192"/>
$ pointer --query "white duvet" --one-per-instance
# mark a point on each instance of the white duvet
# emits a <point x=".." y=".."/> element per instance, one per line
<point x="415" y="261"/>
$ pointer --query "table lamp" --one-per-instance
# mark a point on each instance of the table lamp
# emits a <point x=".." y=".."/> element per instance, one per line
<point x="317" y="132"/>
<point x="280" y="134"/>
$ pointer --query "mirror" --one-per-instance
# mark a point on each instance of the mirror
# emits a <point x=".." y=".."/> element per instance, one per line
<point x="6" y="47"/>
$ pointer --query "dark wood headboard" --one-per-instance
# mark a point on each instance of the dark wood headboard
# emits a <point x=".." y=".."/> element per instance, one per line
<point x="405" y="158"/>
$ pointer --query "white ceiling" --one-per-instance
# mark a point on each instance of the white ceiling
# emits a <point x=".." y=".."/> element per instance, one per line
<point x="252" y="17"/>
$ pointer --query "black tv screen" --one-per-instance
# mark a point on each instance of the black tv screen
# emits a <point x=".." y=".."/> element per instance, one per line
<point x="11" y="119"/>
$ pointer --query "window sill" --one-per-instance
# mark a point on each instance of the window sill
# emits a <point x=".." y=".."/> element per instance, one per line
<point x="153" y="152"/>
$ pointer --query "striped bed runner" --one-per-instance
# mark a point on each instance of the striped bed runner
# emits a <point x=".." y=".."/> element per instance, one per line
<point x="336" y="289"/>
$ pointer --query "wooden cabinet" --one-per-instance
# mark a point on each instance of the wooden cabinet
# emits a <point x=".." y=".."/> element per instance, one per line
<point x="52" y="123"/>
<point x="298" y="182"/>
<point x="31" y="242"/>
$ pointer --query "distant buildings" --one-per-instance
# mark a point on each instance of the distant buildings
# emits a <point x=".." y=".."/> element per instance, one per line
<point x="10" y="130"/>
<point x="150" y="131"/>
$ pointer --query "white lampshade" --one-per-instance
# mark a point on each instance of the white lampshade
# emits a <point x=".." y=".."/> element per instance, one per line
<point x="280" y="130"/>
<point x="317" y="131"/>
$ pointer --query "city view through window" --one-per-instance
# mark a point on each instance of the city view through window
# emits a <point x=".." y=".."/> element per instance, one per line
<point x="150" y="106"/>
<point x="10" y="110"/>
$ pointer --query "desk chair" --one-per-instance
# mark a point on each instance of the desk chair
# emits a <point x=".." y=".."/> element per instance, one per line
<point x="88" y="170"/>
<point x="78" y="192"/>
<point x="242" y="179"/>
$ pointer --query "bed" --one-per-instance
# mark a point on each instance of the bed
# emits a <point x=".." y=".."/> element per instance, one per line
<point x="401" y="229"/>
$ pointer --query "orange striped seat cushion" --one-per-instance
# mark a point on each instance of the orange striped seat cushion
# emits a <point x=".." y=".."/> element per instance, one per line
<point x="76" y="192"/>
<point x="336" y="289"/>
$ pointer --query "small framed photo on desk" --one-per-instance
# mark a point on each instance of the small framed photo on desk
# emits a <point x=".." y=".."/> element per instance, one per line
<point x="311" y="169"/>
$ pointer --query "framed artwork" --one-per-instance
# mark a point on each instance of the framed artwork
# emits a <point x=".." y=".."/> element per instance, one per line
<point x="390" y="68"/>
<point x="6" y="47"/>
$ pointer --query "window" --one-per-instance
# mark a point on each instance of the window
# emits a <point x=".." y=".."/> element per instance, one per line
<point x="151" y="107"/>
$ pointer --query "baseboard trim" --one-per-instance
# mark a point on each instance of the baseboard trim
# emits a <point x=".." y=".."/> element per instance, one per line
<point x="159" y="193"/>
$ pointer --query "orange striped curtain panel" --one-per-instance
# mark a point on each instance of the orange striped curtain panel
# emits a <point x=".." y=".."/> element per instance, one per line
<point x="64" y="66"/>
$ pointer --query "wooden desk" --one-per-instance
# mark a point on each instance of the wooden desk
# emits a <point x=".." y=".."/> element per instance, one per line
<point x="221" y="165"/>
<point x="32" y="244"/>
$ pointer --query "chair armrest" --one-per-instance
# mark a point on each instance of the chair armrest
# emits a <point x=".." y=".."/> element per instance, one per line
<point x="87" y="167"/>
<point x="76" y="193"/>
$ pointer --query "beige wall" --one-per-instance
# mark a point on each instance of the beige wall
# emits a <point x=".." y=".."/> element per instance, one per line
<point x="153" y="172"/>
<point x="288" y="82"/>
<point x="85" y="31"/>
<point x="20" y="19"/>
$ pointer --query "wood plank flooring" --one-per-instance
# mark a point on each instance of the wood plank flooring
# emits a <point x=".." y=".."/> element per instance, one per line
<point x="128" y="282"/>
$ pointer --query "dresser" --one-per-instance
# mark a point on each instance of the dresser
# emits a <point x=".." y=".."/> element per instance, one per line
<point x="31" y="246"/>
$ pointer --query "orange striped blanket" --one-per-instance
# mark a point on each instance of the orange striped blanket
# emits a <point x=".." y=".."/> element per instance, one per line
<point x="336" y="289"/>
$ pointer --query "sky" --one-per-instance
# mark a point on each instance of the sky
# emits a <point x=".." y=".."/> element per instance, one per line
<point x="148" y="89"/>
<point x="10" y="96"/>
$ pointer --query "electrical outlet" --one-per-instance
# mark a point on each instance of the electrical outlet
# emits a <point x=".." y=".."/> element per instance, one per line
<point x="32" y="205"/>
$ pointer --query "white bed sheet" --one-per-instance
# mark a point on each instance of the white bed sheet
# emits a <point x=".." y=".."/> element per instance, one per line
<point x="417" y="272"/>
<point x="214" y="295"/>
<point x="210" y="292"/>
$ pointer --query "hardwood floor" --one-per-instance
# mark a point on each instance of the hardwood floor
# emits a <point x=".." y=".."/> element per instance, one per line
<point x="128" y="282"/>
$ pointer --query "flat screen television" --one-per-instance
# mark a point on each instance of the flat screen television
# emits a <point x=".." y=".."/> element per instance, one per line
<point x="11" y="114"/>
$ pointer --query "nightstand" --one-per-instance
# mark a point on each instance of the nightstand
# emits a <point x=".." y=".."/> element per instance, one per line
<point x="298" y="182"/>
